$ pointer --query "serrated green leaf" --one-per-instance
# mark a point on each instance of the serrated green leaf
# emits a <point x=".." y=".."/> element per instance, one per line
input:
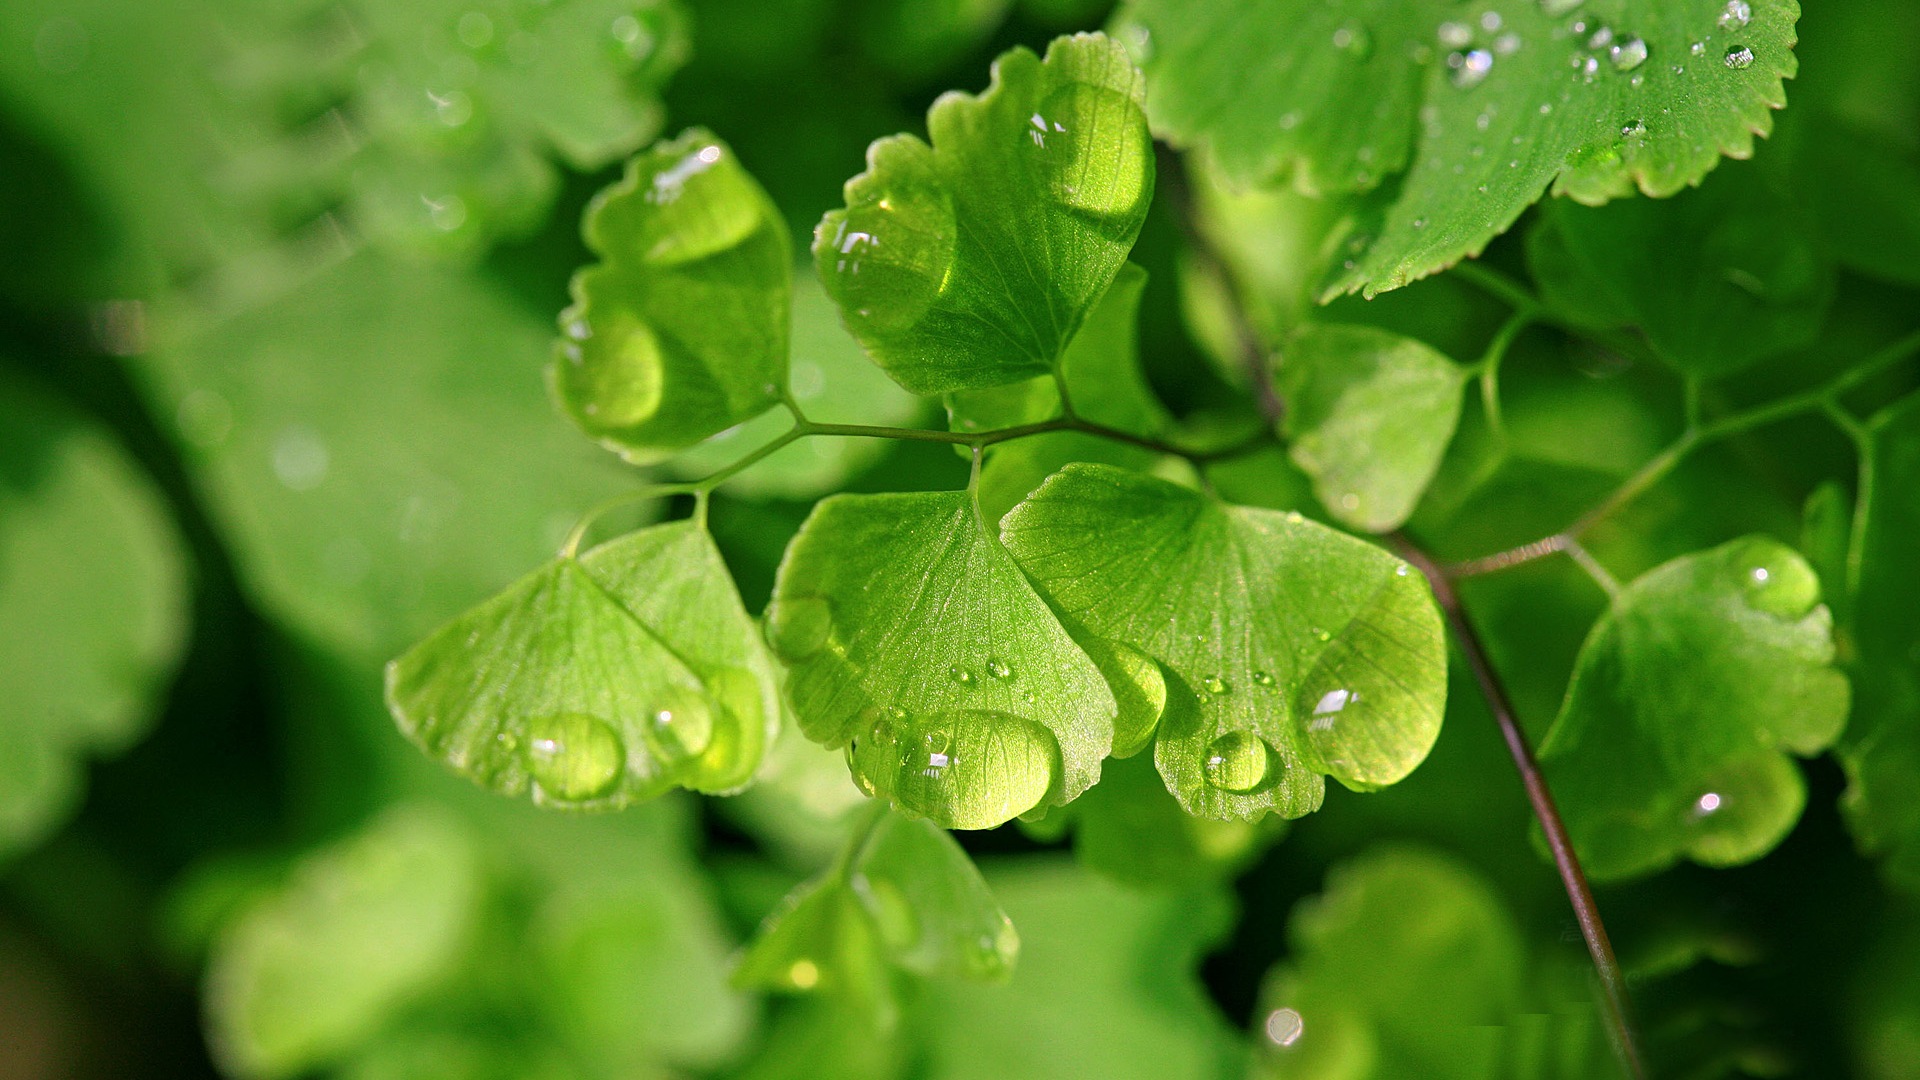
<point x="912" y="639"/>
<point x="1473" y="113"/>
<point x="1356" y="1000"/>
<point x="306" y="974"/>
<point x="93" y="602"/>
<point x="971" y="262"/>
<point x="833" y="382"/>
<point x="1291" y="650"/>
<point x="1687" y="699"/>
<point x="1881" y="751"/>
<point x="376" y="448"/>
<point x="681" y="331"/>
<point x="1101" y="369"/>
<point x="1369" y="413"/>
<point x="1716" y="279"/>
<point x="598" y="682"/>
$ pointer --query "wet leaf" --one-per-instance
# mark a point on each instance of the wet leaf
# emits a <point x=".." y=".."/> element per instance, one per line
<point x="1686" y="702"/>
<point x="912" y="639"/>
<point x="972" y="261"/>
<point x="681" y="331"/>
<point x="1291" y="651"/>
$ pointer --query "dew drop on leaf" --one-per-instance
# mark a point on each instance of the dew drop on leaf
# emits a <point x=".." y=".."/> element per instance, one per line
<point x="573" y="756"/>
<point x="974" y="768"/>
<point x="998" y="668"/>
<point x="1094" y="149"/>
<point x="679" y="730"/>
<point x="1237" y="762"/>
<point x="622" y="387"/>
<point x="1284" y="1027"/>
<point x="1470" y="68"/>
<point x="1628" y="54"/>
<point x="1216" y="685"/>
<point x="960" y="675"/>
<point x="1776" y="580"/>
<point x="1735" y="15"/>
<point x="798" y="626"/>
<point x="1261" y="678"/>
<point x="1739" y="57"/>
<point x="889" y="255"/>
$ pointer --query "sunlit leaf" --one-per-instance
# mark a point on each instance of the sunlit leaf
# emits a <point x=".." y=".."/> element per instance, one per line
<point x="1290" y="650"/>
<point x="681" y="331"/>
<point x="1368" y="415"/>
<point x="1460" y="119"/>
<point x="972" y="262"/>
<point x="308" y="973"/>
<point x="92" y="602"/>
<point x="913" y="640"/>
<point x="1688" y="698"/>
<point x="1716" y="278"/>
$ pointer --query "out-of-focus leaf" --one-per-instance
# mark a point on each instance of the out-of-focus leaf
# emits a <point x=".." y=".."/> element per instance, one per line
<point x="914" y="37"/>
<point x="598" y="682"/>
<point x="93" y="599"/>
<point x="1473" y="113"/>
<point x="1368" y="415"/>
<point x="1716" y="278"/>
<point x="1688" y="697"/>
<point x="971" y="262"/>
<point x="913" y="639"/>
<point x="680" y="332"/>
<point x="1101" y="369"/>
<point x="376" y="448"/>
<point x="1291" y="650"/>
<point x="305" y="975"/>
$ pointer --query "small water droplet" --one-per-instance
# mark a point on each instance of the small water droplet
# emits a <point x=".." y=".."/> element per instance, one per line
<point x="1698" y="48"/>
<point x="1261" y="678"/>
<point x="1215" y="684"/>
<point x="1633" y="129"/>
<point x="1601" y="38"/>
<point x="1739" y="57"/>
<point x="998" y="668"/>
<point x="573" y="756"/>
<point x="1284" y="1027"/>
<point x="1237" y="762"/>
<point x="1735" y="15"/>
<point x="1628" y="54"/>
<point x="798" y="626"/>
<point x="1454" y="35"/>
<point x="960" y="675"/>
<point x="1707" y="804"/>
<point x="1775" y="580"/>
<point x="1472" y="67"/>
<point x="1320" y="634"/>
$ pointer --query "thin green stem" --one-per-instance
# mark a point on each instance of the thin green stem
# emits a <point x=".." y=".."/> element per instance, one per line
<point x="1585" y="560"/>
<point x="1499" y="286"/>
<point x="1862" y="437"/>
<point x="1488" y="367"/>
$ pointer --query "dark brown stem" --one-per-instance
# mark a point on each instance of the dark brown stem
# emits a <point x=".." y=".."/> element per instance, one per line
<point x="1585" y="911"/>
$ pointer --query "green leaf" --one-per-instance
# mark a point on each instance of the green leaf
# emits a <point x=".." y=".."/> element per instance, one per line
<point x="1101" y="369"/>
<point x="1290" y="650"/>
<point x="307" y="974"/>
<point x="1687" y="698"/>
<point x="1356" y="998"/>
<point x="93" y="599"/>
<point x="1881" y="751"/>
<point x="680" y="332"/>
<point x="1369" y="413"/>
<point x="833" y="382"/>
<point x="1459" y="120"/>
<point x="599" y="682"/>
<point x="1716" y="279"/>
<point x="1108" y="986"/>
<point x="971" y="262"/>
<point x="912" y="639"/>
<point x="375" y="447"/>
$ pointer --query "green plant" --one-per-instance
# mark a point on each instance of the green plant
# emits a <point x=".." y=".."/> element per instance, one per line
<point x="1258" y="440"/>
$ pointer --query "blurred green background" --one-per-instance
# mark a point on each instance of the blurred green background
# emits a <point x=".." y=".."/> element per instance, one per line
<point x="277" y="283"/>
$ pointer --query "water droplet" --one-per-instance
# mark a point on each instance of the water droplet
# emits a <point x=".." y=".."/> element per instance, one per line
<point x="1775" y="580"/>
<point x="573" y="756"/>
<point x="1261" y="678"/>
<point x="1739" y="57"/>
<point x="1320" y="634"/>
<point x="1707" y="804"/>
<point x="1633" y="129"/>
<point x="1096" y="154"/>
<point x="1507" y="44"/>
<point x="1216" y="685"/>
<point x="998" y="668"/>
<point x="1284" y="1027"/>
<point x="960" y="675"/>
<point x="680" y="730"/>
<point x="892" y="247"/>
<point x="1454" y="35"/>
<point x="1237" y="762"/>
<point x="1472" y="68"/>
<point x="798" y="626"/>
<point x="1601" y="38"/>
<point x="615" y="379"/>
<point x="993" y="955"/>
<point x="1698" y="48"/>
<point x="1628" y="54"/>
<point x="968" y="769"/>
<point x="1735" y="15"/>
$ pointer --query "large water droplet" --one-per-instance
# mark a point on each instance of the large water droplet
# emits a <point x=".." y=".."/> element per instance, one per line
<point x="1359" y="717"/>
<point x="798" y="626"/>
<point x="1094" y="149"/>
<point x="1735" y="15"/>
<point x="974" y="768"/>
<point x="889" y="255"/>
<point x="1139" y="692"/>
<point x="615" y="378"/>
<point x="1774" y="579"/>
<point x="679" y="730"/>
<point x="573" y="756"/>
<point x="1628" y="54"/>
<point x="1237" y="762"/>
<point x="1739" y="57"/>
<point x="698" y="202"/>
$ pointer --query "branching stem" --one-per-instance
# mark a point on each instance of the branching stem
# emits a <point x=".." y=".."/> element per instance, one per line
<point x="1585" y="911"/>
